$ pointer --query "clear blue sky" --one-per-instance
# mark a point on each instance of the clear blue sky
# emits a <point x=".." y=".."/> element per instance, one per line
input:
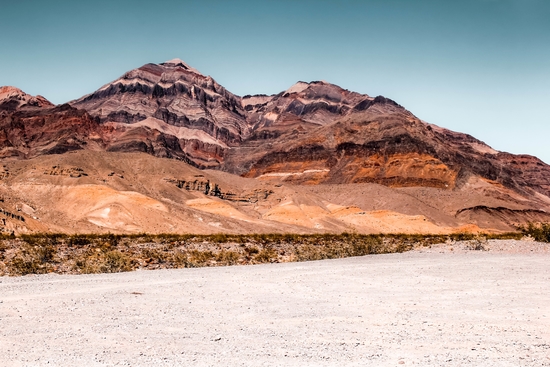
<point x="477" y="66"/>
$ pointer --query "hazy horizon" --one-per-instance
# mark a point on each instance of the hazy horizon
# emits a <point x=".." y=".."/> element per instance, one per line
<point x="477" y="66"/>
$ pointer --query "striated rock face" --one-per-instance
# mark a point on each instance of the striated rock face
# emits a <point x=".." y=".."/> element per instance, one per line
<point x="524" y="170"/>
<point x="312" y="133"/>
<point x="359" y="139"/>
<point x="209" y="188"/>
<point x="297" y="136"/>
<point x="302" y="107"/>
<point x="198" y="118"/>
<point x="29" y="133"/>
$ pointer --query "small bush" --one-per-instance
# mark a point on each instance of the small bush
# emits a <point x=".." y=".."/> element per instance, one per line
<point x="539" y="232"/>
<point x="116" y="262"/>
<point x="266" y="255"/>
<point x="94" y="261"/>
<point x="21" y="265"/>
<point x="112" y="239"/>
<point x="42" y="239"/>
<point x="367" y="245"/>
<point x="251" y="250"/>
<point x="155" y="255"/>
<point x="218" y="238"/>
<point x="196" y="258"/>
<point x="478" y="244"/>
<point x="308" y="253"/>
<point x="227" y="257"/>
<point x="463" y="236"/>
<point x="32" y="260"/>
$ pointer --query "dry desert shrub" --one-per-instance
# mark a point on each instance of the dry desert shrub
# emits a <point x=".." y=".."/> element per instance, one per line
<point x="155" y="254"/>
<point x="309" y="253"/>
<point x="251" y="250"/>
<point x="225" y="257"/>
<point x="478" y="243"/>
<point x="42" y="239"/>
<point x="102" y="253"/>
<point x="78" y="240"/>
<point x="37" y="259"/>
<point x="333" y="248"/>
<point x="115" y="262"/>
<point x="97" y="261"/>
<point x="538" y="231"/>
<point x="195" y="258"/>
<point x="266" y="255"/>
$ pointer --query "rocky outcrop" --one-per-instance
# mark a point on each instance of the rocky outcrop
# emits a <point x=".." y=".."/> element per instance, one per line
<point x="12" y="99"/>
<point x="29" y="133"/>
<point x="500" y="217"/>
<point x="11" y="215"/>
<point x="213" y="189"/>
<point x="74" y="172"/>
<point x="4" y="173"/>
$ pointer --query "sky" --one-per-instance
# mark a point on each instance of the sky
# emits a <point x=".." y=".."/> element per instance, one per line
<point x="481" y="67"/>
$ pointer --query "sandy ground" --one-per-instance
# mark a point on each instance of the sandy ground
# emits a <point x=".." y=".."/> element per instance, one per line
<point x="433" y="307"/>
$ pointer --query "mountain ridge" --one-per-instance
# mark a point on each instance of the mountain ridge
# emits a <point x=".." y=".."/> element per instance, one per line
<point x="313" y="134"/>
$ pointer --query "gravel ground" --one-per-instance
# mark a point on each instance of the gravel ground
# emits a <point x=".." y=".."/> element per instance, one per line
<point x="430" y="307"/>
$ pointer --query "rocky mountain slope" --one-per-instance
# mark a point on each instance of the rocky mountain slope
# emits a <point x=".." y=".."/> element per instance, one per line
<point x="319" y="133"/>
<point x="199" y="119"/>
<point x="93" y="191"/>
<point x="388" y="146"/>
<point x="329" y="152"/>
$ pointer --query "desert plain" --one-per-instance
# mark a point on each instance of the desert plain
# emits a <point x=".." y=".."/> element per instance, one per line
<point x="444" y="305"/>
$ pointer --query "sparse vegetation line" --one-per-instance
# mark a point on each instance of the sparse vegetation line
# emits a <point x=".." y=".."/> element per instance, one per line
<point x="109" y="253"/>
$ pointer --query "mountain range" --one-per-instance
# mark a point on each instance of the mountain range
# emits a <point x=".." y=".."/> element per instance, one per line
<point x="165" y="148"/>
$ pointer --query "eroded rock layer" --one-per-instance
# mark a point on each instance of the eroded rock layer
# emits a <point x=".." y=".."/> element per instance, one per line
<point x="192" y="112"/>
<point x="379" y="141"/>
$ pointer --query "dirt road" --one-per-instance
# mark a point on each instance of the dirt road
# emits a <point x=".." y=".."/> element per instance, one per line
<point x="477" y="308"/>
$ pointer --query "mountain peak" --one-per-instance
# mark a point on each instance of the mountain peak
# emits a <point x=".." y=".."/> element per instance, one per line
<point x="175" y="61"/>
<point x="20" y="98"/>
<point x="180" y="63"/>
<point x="9" y="91"/>
<point x="301" y="86"/>
<point x="298" y="87"/>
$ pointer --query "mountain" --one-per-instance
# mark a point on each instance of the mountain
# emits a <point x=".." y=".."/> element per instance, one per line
<point x="196" y="118"/>
<point x="383" y="143"/>
<point x="319" y="133"/>
<point x="313" y="158"/>
<point x="302" y="107"/>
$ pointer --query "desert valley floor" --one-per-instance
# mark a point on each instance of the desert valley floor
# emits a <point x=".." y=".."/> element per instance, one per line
<point x="430" y="307"/>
